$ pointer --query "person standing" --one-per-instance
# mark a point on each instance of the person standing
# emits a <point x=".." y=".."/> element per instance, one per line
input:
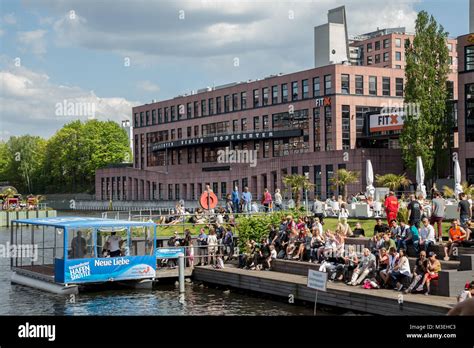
<point x="114" y="244"/>
<point x="212" y="246"/>
<point x="247" y="201"/>
<point x="278" y="200"/>
<point x="414" y="212"/>
<point x="318" y="209"/>
<point x="267" y="200"/>
<point x="202" y="246"/>
<point x="438" y="208"/>
<point x="78" y="246"/>
<point x="391" y="207"/>
<point x="236" y="200"/>
<point x="464" y="209"/>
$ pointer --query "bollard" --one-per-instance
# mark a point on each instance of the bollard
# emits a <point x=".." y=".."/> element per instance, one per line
<point x="181" y="274"/>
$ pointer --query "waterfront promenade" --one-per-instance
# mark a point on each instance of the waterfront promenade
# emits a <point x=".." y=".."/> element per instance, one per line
<point x="379" y="302"/>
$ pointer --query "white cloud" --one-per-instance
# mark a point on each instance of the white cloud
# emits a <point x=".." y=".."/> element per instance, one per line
<point x="212" y="28"/>
<point x="148" y="86"/>
<point x="30" y="100"/>
<point x="9" y="19"/>
<point x="33" y="41"/>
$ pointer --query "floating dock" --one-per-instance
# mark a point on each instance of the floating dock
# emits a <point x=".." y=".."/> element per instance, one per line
<point x="355" y="298"/>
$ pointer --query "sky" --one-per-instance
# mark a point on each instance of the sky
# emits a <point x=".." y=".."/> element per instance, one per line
<point x="62" y="60"/>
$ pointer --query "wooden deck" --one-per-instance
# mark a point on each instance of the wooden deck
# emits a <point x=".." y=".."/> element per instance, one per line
<point x="41" y="272"/>
<point x="381" y="302"/>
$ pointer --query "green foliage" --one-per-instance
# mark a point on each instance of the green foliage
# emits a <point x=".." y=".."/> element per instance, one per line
<point x="67" y="161"/>
<point x="403" y="214"/>
<point x="22" y="160"/>
<point x="392" y="181"/>
<point x="466" y="188"/>
<point x="77" y="150"/>
<point x="342" y="178"/>
<point x="426" y="71"/>
<point x="296" y="183"/>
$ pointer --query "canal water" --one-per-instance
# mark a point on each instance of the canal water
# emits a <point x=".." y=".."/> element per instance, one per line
<point x="162" y="300"/>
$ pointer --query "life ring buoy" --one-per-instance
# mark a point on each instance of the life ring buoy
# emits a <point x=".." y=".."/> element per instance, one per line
<point x="203" y="200"/>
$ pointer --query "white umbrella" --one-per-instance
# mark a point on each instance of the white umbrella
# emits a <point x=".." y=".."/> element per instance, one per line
<point x="369" y="178"/>
<point x="457" y="178"/>
<point x="420" y="177"/>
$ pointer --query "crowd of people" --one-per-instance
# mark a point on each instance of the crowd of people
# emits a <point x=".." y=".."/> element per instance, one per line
<point x="384" y="263"/>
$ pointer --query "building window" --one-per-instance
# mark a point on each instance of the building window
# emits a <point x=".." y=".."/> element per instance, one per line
<point x="160" y="116"/>
<point x="386" y="43"/>
<point x="153" y="116"/>
<point x="266" y="124"/>
<point x="377" y="58"/>
<point x="294" y="90"/>
<point x="256" y="123"/>
<point x="450" y="89"/>
<point x="211" y="106"/>
<point x="328" y="128"/>
<point x="226" y="103"/>
<point x="196" y="131"/>
<point x="373" y="85"/>
<point x="243" y="100"/>
<point x="469" y="58"/>
<point x="173" y="114"/>
<point x="223" y="189"/>
<point x="316" y="87"/>
<point x="189" y="109"/>
<point x="203" y="107"/>
<point x="243" y="124"/>
<point x="399" y="87"/>
<point x="284" y="93"/>
<point x="386" y="86"/>
<point x="170" y="192"/>
<point x="385" y="57"/>
<point x="327" y="84"/>
<point x="345" y="84"/>
<point x="176" y="191"/>
<point x="305" y="89"/>
<point x="142" y="121"/>
<point x="470" y="170"/>
<point x="136" y="120"/>
<point x="317" y="129"/>
<point x="370" y="60"/>
<point x="359" y="84"/>
<point x="377" y="45"/>
<point x="196" y="109"/>
<point x="265" y="96"/>
<point x="274" y="94"/>
<point x="266" y="148"/>
<point x="329" y="176"/>
<point x="218" y="105"/>
<point x="256" y="98"/>
<point x="147" y="118"/>
<point x="398" y="66"/>
<point x="173" y="134"/>
<point x="346" y="127"/>
<point x="235" y="102"/>
<point x="189" y="132"/>
<point x="469" y="112"/>
<point x="398" y="43"/>
<point x="369" y="47"/>
<point x="317" y="181"/>
<point x="398" y="56"/>
<point x="235" y="126"/>
<point x="180" y="133"/>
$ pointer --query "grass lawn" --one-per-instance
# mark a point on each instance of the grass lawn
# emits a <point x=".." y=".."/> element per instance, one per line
<point x="329" y="223"/>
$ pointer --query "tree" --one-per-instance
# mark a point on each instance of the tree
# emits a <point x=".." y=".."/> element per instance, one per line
<point x="342" y="178"/>
<point x="25" y="159"/>
<point x="466" y="188"/>
<point x="5" y="159"/>
<point x="296" y="183"/>
<point x="393" y="181"/>
<point x="78" y="149"/>
<point x="426" y="129"/>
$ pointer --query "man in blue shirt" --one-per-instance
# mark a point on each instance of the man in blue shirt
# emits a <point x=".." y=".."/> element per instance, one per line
<point x="236" y="200"/>
<point x="413" y="238"/>
<point x="247" y="200"/>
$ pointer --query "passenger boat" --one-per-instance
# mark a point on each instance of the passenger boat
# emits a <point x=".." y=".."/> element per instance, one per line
<point x="64" y="255"/>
